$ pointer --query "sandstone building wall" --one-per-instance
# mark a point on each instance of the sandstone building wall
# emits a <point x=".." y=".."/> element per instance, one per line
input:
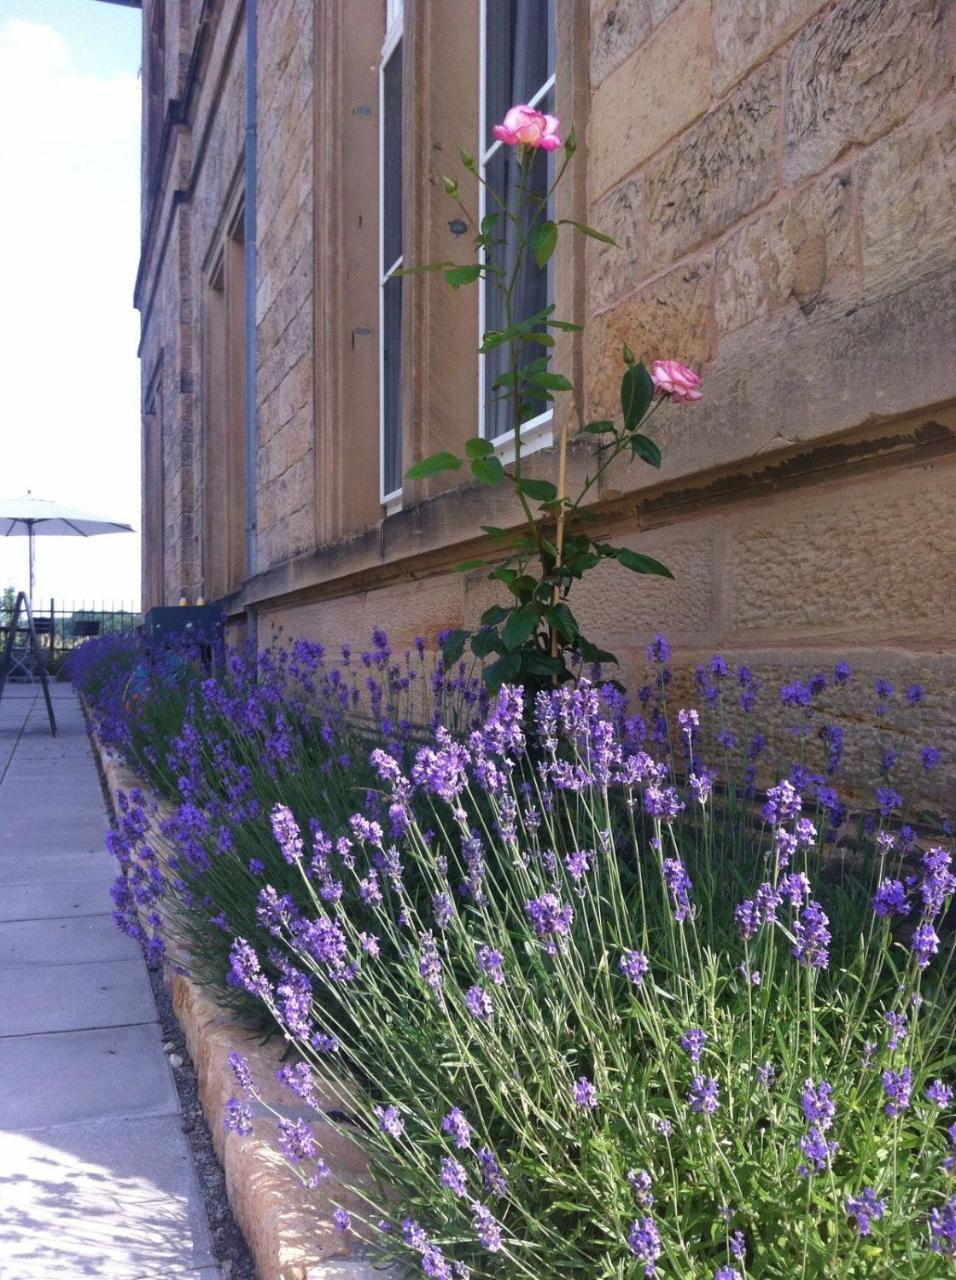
<point x="780" y="178"/>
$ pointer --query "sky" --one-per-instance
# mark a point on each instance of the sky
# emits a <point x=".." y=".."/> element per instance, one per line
<point x="69" y="248"/>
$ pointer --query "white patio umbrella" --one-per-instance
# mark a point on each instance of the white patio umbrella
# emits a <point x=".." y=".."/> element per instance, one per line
<point x="39" y="517"/>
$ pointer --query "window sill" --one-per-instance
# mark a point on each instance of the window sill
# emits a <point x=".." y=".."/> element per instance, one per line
<point x="535" y="435"/>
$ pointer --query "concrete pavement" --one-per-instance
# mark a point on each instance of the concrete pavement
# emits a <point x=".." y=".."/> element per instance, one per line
<point x="96" y="1177"/>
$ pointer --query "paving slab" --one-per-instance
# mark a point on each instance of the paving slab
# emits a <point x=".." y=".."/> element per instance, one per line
<point x="59" y="997"/>
<point x="75" y="941"/>
<point x="114" y="1199"/>
<point x="57" y="898"/>
<point x="84" y="1075"/>
<point x="27" y="867"/>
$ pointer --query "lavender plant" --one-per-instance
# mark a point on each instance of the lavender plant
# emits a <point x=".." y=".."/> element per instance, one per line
<point x="623" y="1015"/>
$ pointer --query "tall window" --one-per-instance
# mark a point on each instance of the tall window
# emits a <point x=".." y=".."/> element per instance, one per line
<point x="223" y="417"/>
<point x="390" y="257"/>
<point x="517" y="66"/>
<point x="154" y="497"/>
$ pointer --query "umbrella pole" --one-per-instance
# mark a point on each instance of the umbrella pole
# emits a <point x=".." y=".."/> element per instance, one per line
<point x="30" y="541"/>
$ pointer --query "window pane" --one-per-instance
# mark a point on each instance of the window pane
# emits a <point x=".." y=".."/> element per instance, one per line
<point x="532" y="291"/>
<point x="392" y="385"/>
<point x="392" y="158"/>
<point x="519" y="54"/>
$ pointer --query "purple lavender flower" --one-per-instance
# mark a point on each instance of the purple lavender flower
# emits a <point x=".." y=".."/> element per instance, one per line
<point x="812" y="935"/>
<point x="243" y="1076"/>
<point x="341" y="1220"/>
<point x="766" y="1075"/>
<point x="887" y="800"/>
<point x="898" y="1024"/>
<point x="429" y="964"/>
<point x="942" y="1229"/>
<point x="897" y="1086"/>
<point x="641" y="1184"/>
<point x="817" y="1151"/>
<point x="238" y="1117"/>
<point x="679" y="884"/>
<point x="585" y="1094"/>
<point x="727" y="1273"/>
<point x="662" y="802"/>
<point x="645" y="1243"/>
<point x="703" y="1095"/>
<point x="459" y="1128"/>
<point x="689" y="721"/>
<point x="244" y="970"/>
<point x="929" y="756"/>
<point x="454" y="1176"/>
<point x="692" y="1042"/>
<point x="842" y="673"/>
<point x="478" y="1003"/>
<point x="296" y="1140"/>
<point x="924" y="944"/>
<point x="286" y="831"/>
<point x="941" y="1095"/>
<point x="487" y="1228"/>
<point x="256" y="867"/>
<point x="890" y="899"/>
<point x="492" y="1176"/>
<point x="578" y="863"/>
<point x="658" y="650"/>
<point x="550" y="918"/>
<point x="443" y="909"/>
<point x="490" y="962"/>
<point x="738" y="1245"/>
<point x="634" y="966"/>
<point x="865" y="1207"/>
<point x="390" y="1121"/>
<point x="915" y="694"/>
<point x="816" y="1102"/>
<point x="783" y="803"/>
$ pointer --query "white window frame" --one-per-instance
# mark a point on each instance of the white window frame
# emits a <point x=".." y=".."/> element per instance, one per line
<point x="391" y="500"/>
<point x="538" y="432"/>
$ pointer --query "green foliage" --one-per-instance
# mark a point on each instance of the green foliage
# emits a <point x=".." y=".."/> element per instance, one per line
<point x="536" y="637"/>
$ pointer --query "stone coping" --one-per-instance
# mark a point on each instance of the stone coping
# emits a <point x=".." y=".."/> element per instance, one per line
<point x="287" y="1227"/>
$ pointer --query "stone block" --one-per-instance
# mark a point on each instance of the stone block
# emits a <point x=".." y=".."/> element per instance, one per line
<point x="720" y="170"/>
<point x="657" y="92"/>
<point x="869" y="561"/>
<point x="671" y="318"/>
<point x="907" y="202"/>
<point x="615" y="33"/>
<point x="797" y="254"/>
<point x="746" y="31"/>
<point x="615" y="269"/>
<point x="623" y="610"/>
<point x="858" y="71"/>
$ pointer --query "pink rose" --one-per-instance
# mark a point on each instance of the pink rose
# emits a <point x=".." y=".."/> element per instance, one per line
<point x="525" y="127"/>
<point x="671" y="378"/>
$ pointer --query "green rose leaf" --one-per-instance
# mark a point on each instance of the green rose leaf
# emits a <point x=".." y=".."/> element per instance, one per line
<point x="485" y="642"/>
<point x="641" y="447"/>
<point x="589" y="231"/>
<point x="599" y="428"/>
<point x="637" y="392"/>
<point x="539" y="490"/>
<point x="591" y="653"/>
<point x="488" y="470"/>
<point x="493" y="615"/>
<point x="432" y="466"/>
<point x="542" y="240"/>
<point x="520" y="626"/>
<point x="551" y="381"/>
<point x="488" y="223"/>
<point x="465" y="566"/>
<point x="476" y="447"/>
<point x="563" y="621"/>
<point x="454" y="647"/>
<point x="457" y="276"/>
<point x="638" y="563"/>
<point x="506" y="668"/>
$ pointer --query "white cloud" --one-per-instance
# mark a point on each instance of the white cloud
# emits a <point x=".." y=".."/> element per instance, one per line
<point x="69" y="384"/>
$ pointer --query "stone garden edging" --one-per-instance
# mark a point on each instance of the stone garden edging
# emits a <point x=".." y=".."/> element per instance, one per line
<point x="288" y="1229"/>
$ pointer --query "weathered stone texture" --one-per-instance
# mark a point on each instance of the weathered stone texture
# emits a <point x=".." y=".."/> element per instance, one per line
<point x="615" y="33"/>
<point x="616" y="269"/>
<point x="848" y="564"/>
<point x="800" y="253"/>
<point x="674" y="315"/>
<point x="651" y="97"/>
<point x="908" y="199"/>
<point x="719" y="170"/>
<point x="745" y="31"/>
<point x="856" y="72"/>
